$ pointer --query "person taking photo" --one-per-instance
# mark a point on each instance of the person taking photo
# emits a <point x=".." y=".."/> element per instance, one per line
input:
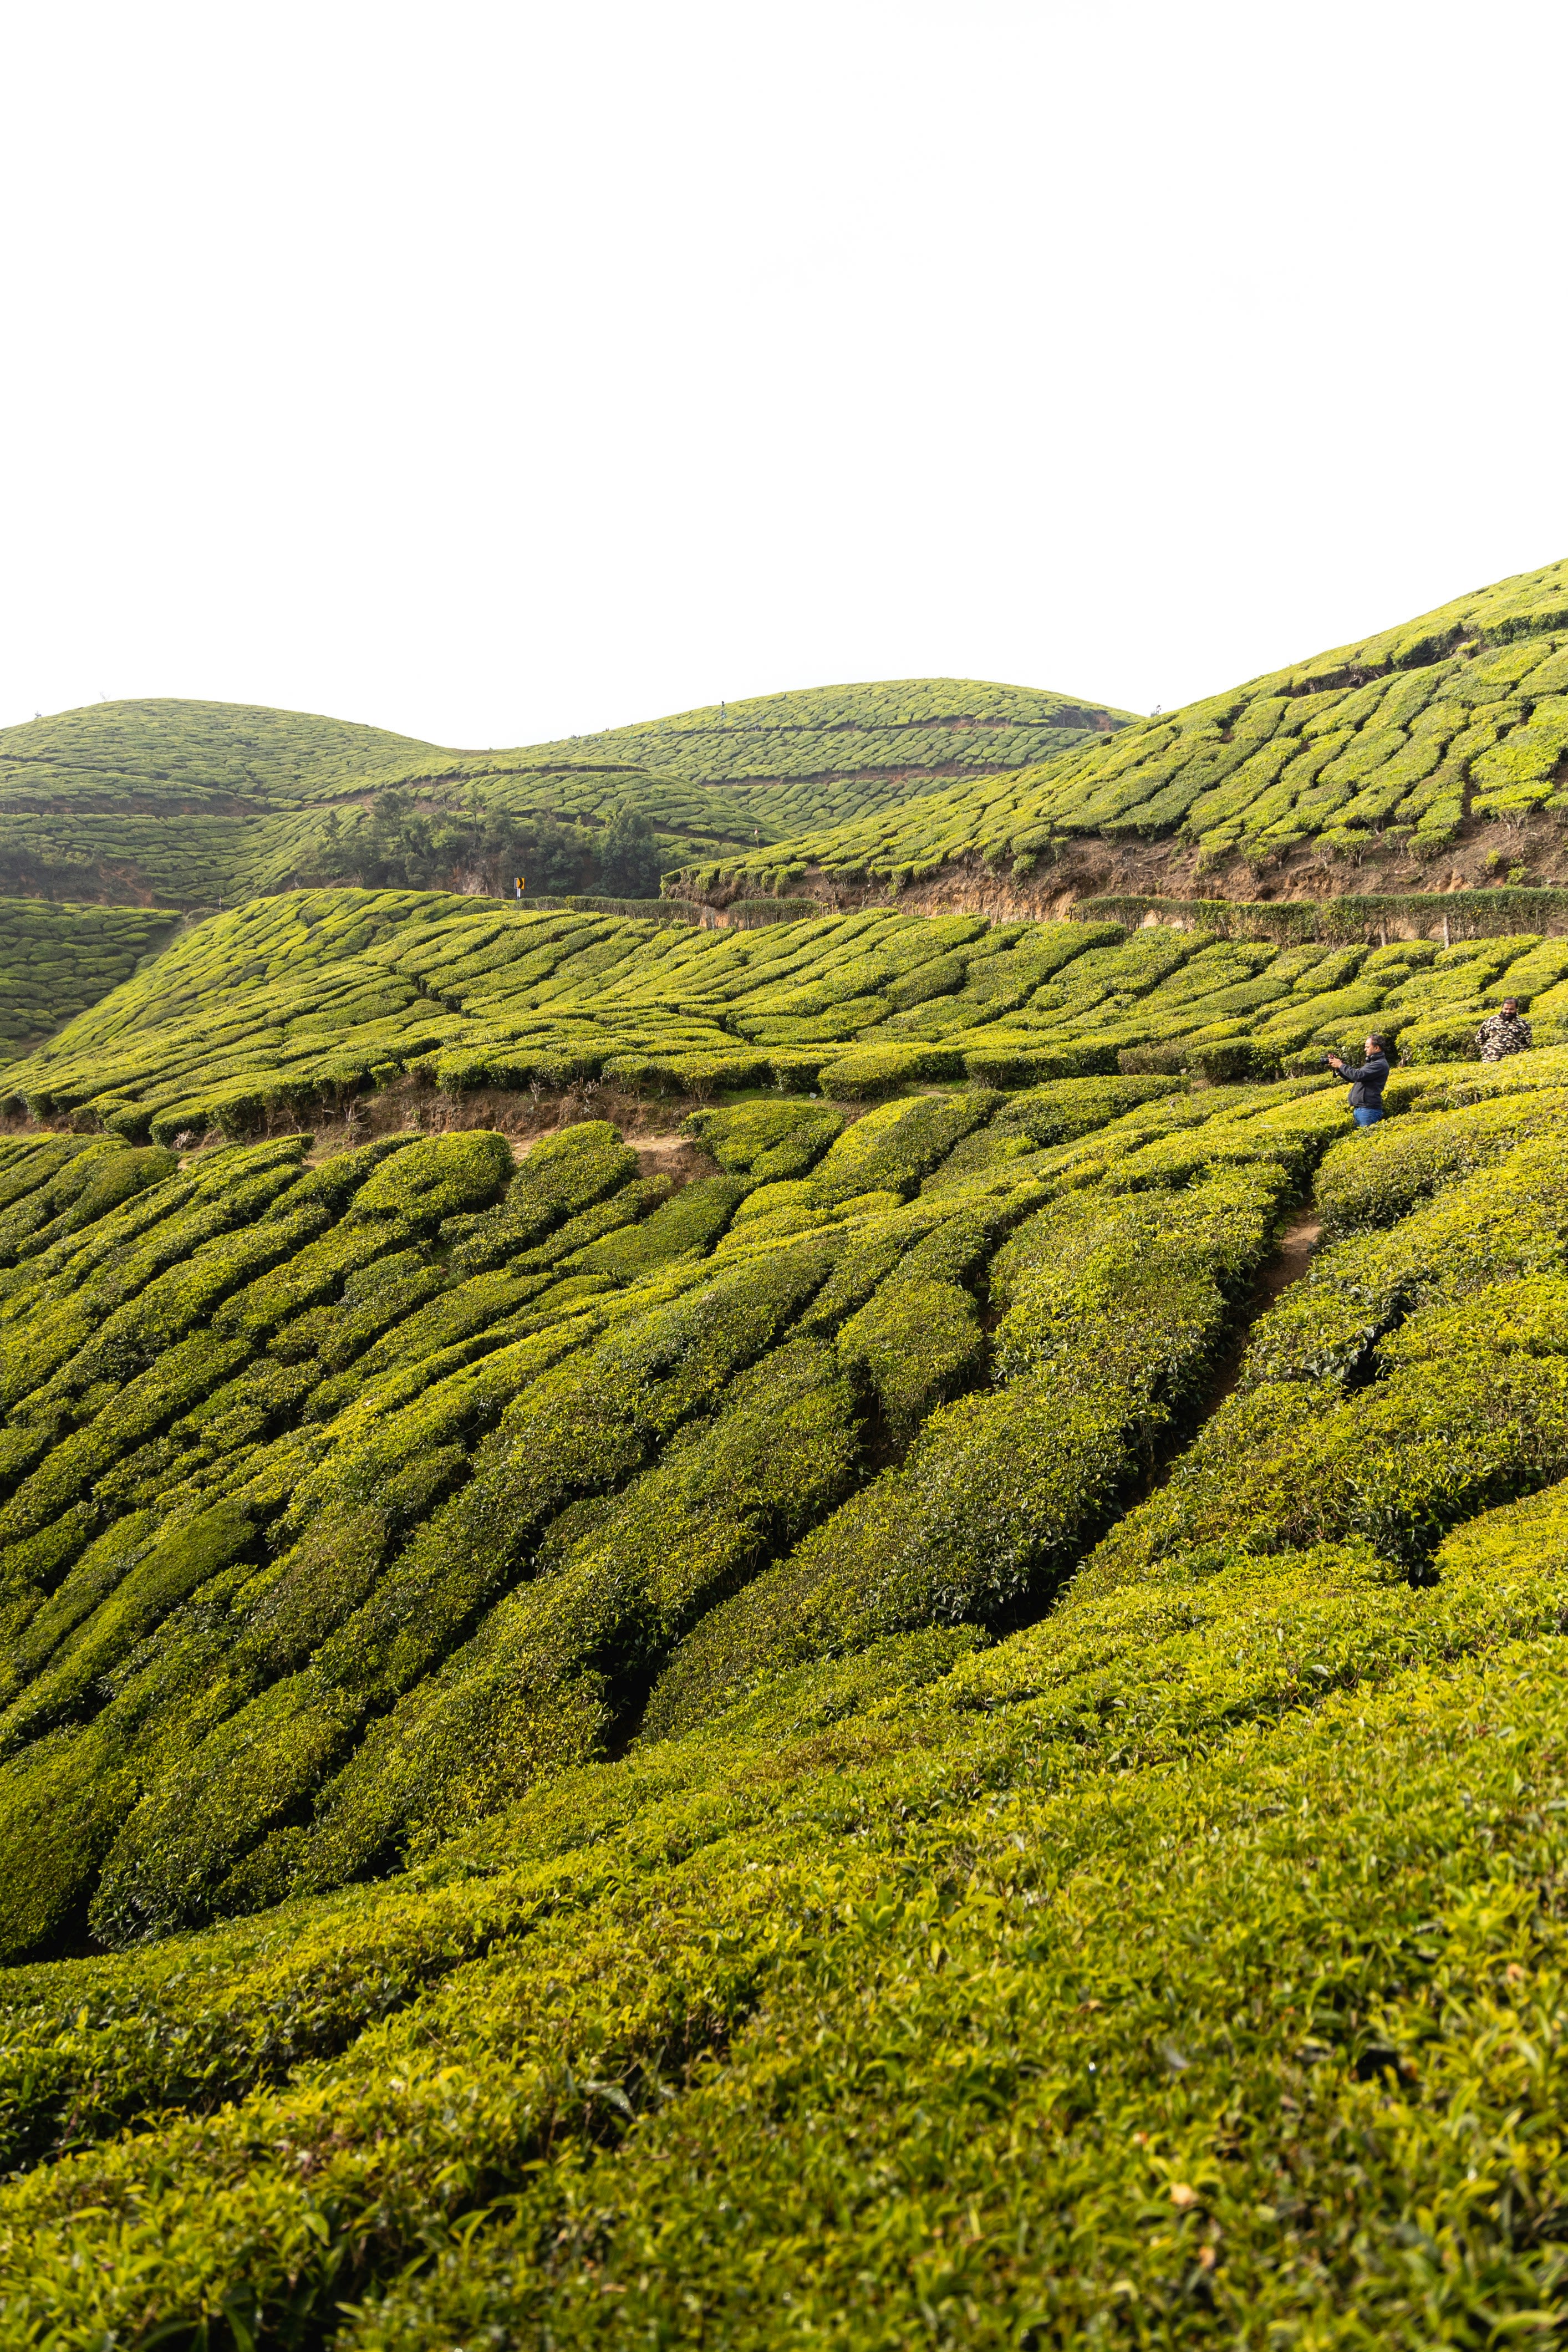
<point x="1367" y="1082"/>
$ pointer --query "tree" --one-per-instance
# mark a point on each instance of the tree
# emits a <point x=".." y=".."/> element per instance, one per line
<point x="401" y="843"/>
<point x="630" y="860"/>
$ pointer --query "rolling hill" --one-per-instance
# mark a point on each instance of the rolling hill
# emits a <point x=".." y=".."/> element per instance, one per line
<point x="191" y="804"/>
<point x="1437" y="748"/>
<point x="798" y="757"/>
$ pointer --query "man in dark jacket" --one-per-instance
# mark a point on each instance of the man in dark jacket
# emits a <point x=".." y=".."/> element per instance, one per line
<point x="1367" y="1082"/>
<point x="1506" y="1032"/>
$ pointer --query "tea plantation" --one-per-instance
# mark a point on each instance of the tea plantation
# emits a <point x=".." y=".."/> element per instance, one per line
<point x="55" y="960"/>
<point x="1400" y="739"/>
<point x="861" y="1733"/>
<point x="838" y="1630"/>
<point x="198" y="804"/>
<point x="317" y="1001"/>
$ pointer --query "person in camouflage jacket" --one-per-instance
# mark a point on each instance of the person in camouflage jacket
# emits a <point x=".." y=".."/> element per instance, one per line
<point x="1506" y="1032"/>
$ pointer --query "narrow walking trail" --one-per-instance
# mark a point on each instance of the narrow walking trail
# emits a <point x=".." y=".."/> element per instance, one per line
<point x="1289" y="1262"/>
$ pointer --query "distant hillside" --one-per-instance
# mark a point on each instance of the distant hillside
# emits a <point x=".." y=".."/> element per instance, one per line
<point x="168" y="801"/>
<point x="1437" y="748"/>
<point x="804" y="758"/>
<point x="189" y="803"/>
<point x="56" y="960"/>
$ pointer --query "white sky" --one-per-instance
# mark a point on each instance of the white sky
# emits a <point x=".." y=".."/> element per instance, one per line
<point x="494" y="371"/>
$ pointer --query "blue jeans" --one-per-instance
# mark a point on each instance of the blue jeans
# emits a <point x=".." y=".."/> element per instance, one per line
<point x="1367" y="1114"/>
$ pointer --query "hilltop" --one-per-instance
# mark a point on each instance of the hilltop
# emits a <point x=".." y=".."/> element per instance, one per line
<point x="188" y="804"/>
<point x="798" y="757"/>
<point x="1434" y="755"/>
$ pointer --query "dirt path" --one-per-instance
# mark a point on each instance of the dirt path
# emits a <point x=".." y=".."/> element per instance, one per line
<point x="1290" y="1261"/>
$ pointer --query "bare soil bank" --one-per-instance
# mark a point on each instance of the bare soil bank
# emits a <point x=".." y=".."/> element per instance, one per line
<point x="1533" y="850"/>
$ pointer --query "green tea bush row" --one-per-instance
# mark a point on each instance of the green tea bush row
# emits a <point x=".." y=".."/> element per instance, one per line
<point x="268" y="1016"/>
<point x="1111" y="1313"/>
<point x="942" y="1871"/>
<point x="1391" y="740"/>
<point x="1416" y="1378"/>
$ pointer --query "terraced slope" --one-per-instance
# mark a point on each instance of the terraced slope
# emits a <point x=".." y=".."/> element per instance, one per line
<point x="317" y="1003"/>
<point x="1180" y="1965"/>
<point x="830" y="751"/>
<point x="198" y="802"/>
<point x="193" y="803"/>
<point x="55" y="961"/>
<point x="166" y="800"/>
<point x="189" y="756"/>
<point x="1444" y="731"/>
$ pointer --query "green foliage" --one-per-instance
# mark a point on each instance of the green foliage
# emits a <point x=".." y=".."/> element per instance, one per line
<point x="766" y="1140"/>
<point x="1370" y="1182"/>
<point x="1352" y="917"/>
<point x="446" y="1176"/>
<point x="891" y="1148"/>
<point x="920" y="1342"/>
<point x="562" y="1175"/>
<point x="1237" y="1748"/>
<point x="1456" y="1313"/>
<point x="885" y="1069"/>
<point x="1461" y="709"/>
<point x="401" y="1391"/>
<point x="1112" y="1312"/>
<point x="401" y="843"/>
<point x="55" y="960"/>
<point x="680" y="1654"/>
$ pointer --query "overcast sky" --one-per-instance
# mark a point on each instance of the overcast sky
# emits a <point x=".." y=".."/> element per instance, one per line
<point x="494" y="371"/>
